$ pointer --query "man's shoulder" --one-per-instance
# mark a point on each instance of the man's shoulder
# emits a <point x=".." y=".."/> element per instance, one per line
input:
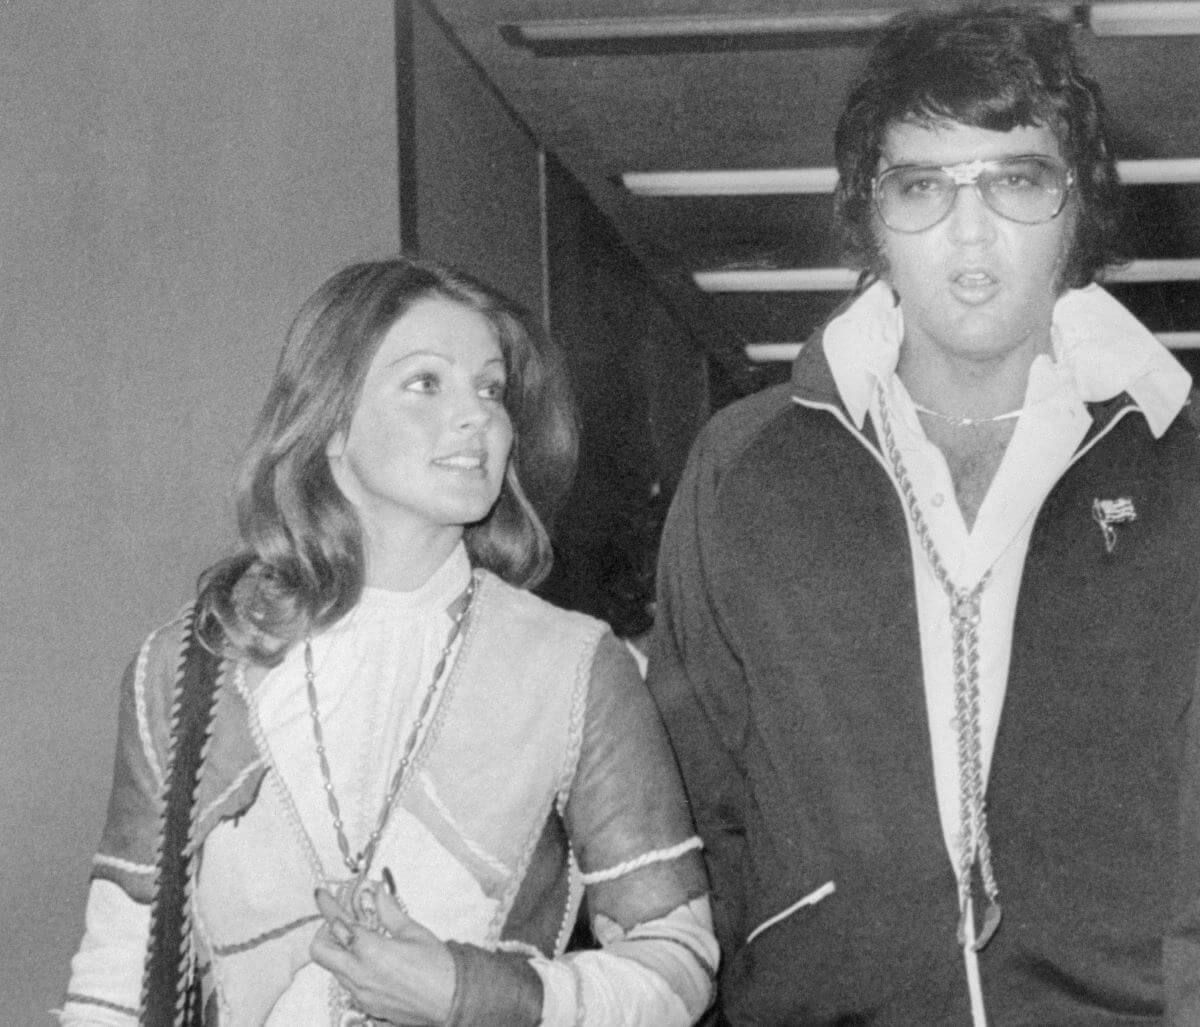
<point x="733" y="428"/>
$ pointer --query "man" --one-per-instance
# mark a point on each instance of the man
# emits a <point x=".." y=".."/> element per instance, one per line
<point x="929" y="617"/>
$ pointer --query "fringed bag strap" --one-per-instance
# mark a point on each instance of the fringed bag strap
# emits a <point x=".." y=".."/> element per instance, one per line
<point x="169" y="995"/>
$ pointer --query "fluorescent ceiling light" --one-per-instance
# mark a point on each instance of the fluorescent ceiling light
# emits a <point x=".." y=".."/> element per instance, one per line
<point x="800" y="181"/>
<point x="1180" y="340"/>
<point x="596" y="30"/>
<point x="1174" y="171"/>
<point x="560" y="32"/>
<point x="1112" y="18"/>
<point x="820" y="279"/>
<point x="1139" y="271"/>
<point x="773" y="352"/>
<point x="765" y="182"/>
<point x="1178" y="18"/>
<point x="841" y="279"/>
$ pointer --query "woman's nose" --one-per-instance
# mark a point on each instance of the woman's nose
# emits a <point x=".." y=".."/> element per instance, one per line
<point x="472" y="412"/>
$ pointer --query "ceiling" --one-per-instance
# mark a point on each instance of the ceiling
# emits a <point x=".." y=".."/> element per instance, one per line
<point x="735" y="97"/>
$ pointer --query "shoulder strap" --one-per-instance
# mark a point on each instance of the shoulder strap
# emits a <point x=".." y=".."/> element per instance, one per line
<point x="168" y="998"/>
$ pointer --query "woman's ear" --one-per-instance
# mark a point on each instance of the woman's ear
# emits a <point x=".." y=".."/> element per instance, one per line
<point x="336" y="445"/>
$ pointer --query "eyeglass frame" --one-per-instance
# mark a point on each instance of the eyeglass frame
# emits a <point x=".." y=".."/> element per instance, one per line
<point x="968" y="172"/>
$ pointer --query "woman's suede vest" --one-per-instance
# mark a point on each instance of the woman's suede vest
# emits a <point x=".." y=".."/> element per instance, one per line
<point x="499" y="755"/>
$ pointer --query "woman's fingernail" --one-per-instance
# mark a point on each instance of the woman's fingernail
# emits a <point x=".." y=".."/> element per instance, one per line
<point x="390" y="881"/>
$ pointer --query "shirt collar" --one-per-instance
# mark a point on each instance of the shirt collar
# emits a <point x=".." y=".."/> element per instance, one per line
<point x="1100" y="351"/>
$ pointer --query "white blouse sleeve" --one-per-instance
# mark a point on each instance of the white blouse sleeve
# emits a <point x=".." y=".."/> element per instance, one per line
<point x="657" y="974"/>
<point x="106" y="973"/>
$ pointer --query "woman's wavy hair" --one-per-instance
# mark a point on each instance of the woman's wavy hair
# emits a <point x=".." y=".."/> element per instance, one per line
<point x="996" y="68"/>
<point x="301" y="565"/>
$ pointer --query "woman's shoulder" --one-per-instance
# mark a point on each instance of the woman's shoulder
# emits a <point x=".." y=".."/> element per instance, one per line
<point x="171" y="635"/>
<point x="521" y="608"/>
<point x="159" y="659"/>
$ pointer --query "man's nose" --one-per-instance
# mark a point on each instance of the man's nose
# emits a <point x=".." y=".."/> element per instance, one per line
<point x="971" y="219"/>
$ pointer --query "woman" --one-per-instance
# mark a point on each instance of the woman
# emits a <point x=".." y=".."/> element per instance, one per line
<point x="413" y="768"/>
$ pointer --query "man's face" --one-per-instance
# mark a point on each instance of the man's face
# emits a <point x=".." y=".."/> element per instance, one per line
<point x="975" y="284"/>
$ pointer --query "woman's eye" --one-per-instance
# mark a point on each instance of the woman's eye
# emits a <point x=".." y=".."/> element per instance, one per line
<point x="427" y="383"/>
<point x="493" y="391"/>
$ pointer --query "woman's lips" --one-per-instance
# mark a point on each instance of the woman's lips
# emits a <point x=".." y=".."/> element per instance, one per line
<point x="466" y="462"/>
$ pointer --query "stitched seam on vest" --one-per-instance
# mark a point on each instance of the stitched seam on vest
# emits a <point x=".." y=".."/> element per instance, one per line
<point x="571" y="758"/>
<point x="91" y="1000"/>
<point x="575" y="882"/>
<point x="128" y="866"/>
<point x="251" y="768"/>
<point x="234" y="948"/>
<point x="469" y="843"/>
<point x="571" y="904"/>
<point x="216" y="967"/>
<point x="445" y="696"/>
<point x="522" y="948"/>
<point x="143" y="719"/>
<point x="195" y="835"/>
<point x="583" y="677"/>
<point x="483" y="608"/>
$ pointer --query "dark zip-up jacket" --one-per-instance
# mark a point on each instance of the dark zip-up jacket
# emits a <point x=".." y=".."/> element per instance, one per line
<point x="787" y="668"/>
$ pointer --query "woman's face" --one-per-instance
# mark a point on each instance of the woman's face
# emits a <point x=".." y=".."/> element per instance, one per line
<point x="428" y="444"/>
<point x="975" y="285"/>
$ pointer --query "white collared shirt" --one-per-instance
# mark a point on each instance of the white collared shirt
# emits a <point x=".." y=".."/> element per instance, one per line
<point x="1099" y="351"/>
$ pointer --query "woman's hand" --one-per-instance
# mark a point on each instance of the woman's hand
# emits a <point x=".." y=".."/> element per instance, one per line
<point x="405" y="976"/>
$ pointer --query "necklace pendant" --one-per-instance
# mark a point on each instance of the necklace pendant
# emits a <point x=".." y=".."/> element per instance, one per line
<point x="965" y="607"/>
<point x="345" y="890"/>
<point x="991" y="920"/>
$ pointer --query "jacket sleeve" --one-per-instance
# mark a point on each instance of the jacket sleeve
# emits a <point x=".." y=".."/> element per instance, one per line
<point x="1181" y="947"/>
<point x="106" y="972"/>
<point x="697" y="680"/>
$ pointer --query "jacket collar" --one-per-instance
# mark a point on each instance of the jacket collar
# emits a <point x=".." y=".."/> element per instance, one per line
<point x="1103" y="352"/>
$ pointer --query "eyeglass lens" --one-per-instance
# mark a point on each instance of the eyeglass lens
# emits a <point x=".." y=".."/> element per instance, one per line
<point x="1029" y="190"/>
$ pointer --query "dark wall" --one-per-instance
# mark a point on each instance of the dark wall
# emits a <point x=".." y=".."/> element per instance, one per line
<point x="488" y="199"/>
<point x="478" y="172"/>
<point x="643" y="394"/>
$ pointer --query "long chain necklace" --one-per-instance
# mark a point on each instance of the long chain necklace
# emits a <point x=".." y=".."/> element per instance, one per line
<point x="360" y="864"/>
<point x="974" y="841"/>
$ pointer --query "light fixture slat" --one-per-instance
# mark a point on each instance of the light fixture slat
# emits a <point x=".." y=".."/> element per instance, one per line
<point x="817" y="279"/>
<point x="557" y="32"/>
<point x="1177" y="18"/>
<point x="841" y="279"/>
<point x="802" y="181"/>
<point x="1141" y="271"/>
<point x="786" y="352"/>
